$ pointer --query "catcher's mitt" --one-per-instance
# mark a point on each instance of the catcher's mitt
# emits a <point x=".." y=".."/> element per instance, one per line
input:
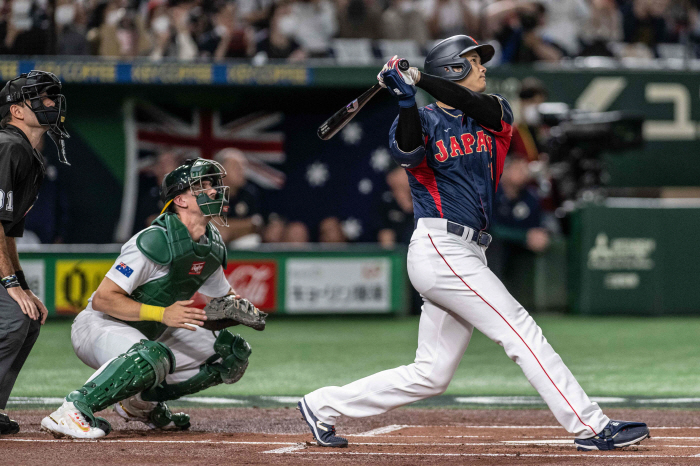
<point x="229" y="311"/>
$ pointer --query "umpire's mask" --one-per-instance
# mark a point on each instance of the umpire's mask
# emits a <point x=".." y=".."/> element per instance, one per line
<point x="34" y="87"/>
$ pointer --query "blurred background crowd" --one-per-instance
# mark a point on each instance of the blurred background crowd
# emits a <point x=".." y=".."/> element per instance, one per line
<point x="528" y="215"/>
<point x="523" y="31"/>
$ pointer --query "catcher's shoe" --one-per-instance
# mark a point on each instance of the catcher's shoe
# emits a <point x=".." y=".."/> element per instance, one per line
<point x="323" y="433"/>
<point x="67" y="421"/>
<point x="7" y="425"/>
<point x="617" y="434"/>
<point x="154" y="414"/>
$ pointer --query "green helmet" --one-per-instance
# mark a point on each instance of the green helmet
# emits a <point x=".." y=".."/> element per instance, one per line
<point x="193" y="175"/>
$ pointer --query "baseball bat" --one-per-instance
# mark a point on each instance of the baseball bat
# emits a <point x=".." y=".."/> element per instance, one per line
<point x="342" y="117"/>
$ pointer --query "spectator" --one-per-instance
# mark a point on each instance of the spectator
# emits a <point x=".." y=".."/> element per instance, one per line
<point x="446" y="18"/>
<point x="71" y="22"/>
<point x="296" y="233"/>
<point x="274" y="43"/>
<point x="396" y="210"/>
<point x="517" y="26"/>
<point x="330" y="230"/>
<point x="643" y="22"/>
<point x="604" y="25"/>
<point x="518" y="221"/>
<point x="527" y="131"/>
<point x="148" y="204"/>
<point x="24" y="30"/>
<point x="172" y="33"/>
<point x="230" y="37"/>
<point x="312" y="24"/>
<point x="257" y="13"/>
<point x="119" y="32"/>
<point x="565" y="20"/>
<point x="359" y="19"/>
<point x="403" y="20"/>
<point x="244" y="218"/>
<point x="274" y="230"/>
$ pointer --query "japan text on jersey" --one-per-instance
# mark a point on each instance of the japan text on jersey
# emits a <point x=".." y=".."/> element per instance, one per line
<point x="456" y="173"/>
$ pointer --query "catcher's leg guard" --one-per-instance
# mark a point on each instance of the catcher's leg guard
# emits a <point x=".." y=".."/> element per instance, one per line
<point x="154" y="414"/>
<point x="232" y="352"/>
<point x="142" y="367"/>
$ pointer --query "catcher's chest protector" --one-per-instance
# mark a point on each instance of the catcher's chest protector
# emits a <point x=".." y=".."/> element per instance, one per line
<point x="190" y="264"/>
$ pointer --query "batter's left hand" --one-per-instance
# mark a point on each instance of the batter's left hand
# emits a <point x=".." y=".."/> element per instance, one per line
<point x="399" y="83"/>
<point x="39" y="305"/>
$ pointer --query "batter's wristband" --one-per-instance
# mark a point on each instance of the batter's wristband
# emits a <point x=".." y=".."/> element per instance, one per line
<point x="154" y="313"/>
<point x="10" y="281"/>
<point x="22" y="279"/>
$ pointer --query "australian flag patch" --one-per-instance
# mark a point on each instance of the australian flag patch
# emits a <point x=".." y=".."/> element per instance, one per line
<point x="125" y="269"/>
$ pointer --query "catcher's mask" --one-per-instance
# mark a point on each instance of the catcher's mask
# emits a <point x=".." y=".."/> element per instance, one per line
<point x="204" y="180"/>
<point x="34" y="87"/>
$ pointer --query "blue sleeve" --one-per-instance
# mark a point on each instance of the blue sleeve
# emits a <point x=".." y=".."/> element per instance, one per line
<point x="406" y="159"/>
<point x="507" y="116"/>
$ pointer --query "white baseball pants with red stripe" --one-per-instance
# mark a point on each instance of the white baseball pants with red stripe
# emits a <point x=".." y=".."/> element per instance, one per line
<point x="461" y="293"/>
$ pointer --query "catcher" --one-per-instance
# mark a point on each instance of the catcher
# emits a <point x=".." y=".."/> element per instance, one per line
<point x="139" y="331"/>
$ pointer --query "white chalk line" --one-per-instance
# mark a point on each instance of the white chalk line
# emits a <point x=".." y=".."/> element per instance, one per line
<point x="458" y="426"/>
<point x="223" y="442"/>
<point x="297" y="445"/>
<point x="291" y="449"/>
<point x="380" y="430"/>
<point x="518" y="455"/>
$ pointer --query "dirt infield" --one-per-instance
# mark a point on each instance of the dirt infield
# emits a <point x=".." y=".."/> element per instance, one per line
<point x="405" y="437"/>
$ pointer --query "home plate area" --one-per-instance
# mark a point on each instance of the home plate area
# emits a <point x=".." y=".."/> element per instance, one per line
<point x="404" y="436"/>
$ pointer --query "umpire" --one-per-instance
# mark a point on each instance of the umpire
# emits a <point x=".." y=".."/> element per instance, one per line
<point x="30" y="105"/>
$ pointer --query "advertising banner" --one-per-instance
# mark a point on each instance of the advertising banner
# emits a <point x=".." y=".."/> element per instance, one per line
<point x="627" y="260"/>
<point x="76" y="280"/>
<point x="254" y="280"/>
<point x="344" y="285"/>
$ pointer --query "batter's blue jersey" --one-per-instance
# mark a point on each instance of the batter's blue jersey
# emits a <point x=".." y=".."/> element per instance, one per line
<point x="455" y="174"/>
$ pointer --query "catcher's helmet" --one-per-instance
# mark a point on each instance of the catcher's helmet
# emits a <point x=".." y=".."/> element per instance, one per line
<point x="447" y="54"/>
<point x="30" y="87"/>
<point x="191" y="175"/>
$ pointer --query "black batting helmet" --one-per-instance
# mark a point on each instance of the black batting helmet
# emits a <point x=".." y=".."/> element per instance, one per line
<point x="447" y="54"/>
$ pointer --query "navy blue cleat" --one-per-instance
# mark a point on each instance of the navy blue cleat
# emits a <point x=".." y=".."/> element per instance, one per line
<point x="617" y="434"/>
<point x="324" y="434"/>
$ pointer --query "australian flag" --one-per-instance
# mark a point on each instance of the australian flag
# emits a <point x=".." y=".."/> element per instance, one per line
<point x="302" y="177"/>
<point x="124" y="269"/>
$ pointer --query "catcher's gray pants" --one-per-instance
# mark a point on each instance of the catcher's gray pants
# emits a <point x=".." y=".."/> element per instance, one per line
<point x="98" y="338"/>
<point x="17" y="336"/>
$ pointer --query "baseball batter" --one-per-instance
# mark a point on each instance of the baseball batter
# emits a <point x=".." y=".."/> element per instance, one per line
<point x="139" y="330"/>
<point x="454" y="152"/>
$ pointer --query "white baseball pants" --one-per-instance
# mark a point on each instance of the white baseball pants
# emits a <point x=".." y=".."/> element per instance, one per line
<point x="98" y="338"/>
<point x="461" y="293"/>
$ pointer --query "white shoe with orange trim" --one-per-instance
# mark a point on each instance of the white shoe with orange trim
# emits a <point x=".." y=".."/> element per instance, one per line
<point x="67" y="421"/>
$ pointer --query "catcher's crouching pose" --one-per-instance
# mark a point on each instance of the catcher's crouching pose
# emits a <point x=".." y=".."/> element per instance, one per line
<point x="138" y="330"/>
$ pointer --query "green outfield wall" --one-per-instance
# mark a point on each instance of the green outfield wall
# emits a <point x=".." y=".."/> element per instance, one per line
<point x="636" y="257"/>
<point x="352" y="280"/>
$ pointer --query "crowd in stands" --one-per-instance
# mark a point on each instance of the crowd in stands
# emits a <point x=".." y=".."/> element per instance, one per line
<point x="294" y="30"/>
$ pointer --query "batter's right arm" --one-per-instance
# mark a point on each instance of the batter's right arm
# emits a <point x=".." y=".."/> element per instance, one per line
<point x="114" y="301"/>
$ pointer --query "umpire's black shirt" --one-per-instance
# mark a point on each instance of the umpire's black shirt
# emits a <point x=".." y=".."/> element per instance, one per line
<point x="21" y="173"/>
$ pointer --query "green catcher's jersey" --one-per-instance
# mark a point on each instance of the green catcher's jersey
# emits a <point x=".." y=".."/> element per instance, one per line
<point x="190" y="263"/>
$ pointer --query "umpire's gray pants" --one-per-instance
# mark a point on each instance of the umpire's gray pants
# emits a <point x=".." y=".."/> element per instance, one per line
<point x="17" y="336"/>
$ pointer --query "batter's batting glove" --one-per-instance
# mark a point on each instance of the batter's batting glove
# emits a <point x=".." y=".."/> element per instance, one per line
<point x="399" y="83"/>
